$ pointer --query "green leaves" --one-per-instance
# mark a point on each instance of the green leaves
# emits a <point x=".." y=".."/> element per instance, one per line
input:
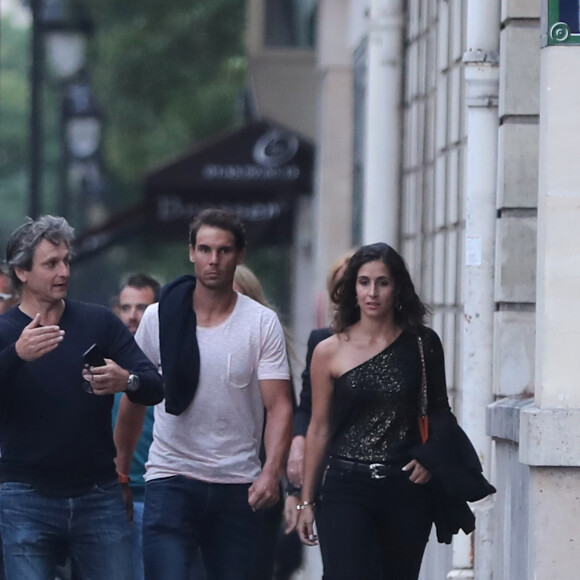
<point x="13" y="126"/>
<point x="169" y="74"/>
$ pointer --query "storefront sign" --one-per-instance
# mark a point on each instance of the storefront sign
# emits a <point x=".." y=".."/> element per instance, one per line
<point x="257" y="171"/>
<point x="562" y="23"/>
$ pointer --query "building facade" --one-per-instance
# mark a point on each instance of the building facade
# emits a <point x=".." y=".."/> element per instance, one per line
<point x="446" y="128"/>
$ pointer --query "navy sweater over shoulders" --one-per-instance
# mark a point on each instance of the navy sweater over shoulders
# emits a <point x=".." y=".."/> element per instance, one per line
<point x="54" y="435"/>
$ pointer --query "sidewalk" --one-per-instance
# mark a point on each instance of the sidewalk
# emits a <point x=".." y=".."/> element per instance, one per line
<point x="312" y="565"/>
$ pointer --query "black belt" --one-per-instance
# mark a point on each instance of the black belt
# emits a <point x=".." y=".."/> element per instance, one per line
<point x="373" y="470"/>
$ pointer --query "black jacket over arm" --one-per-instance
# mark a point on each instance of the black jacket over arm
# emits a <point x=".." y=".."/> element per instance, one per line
<point x="457" y="474"/>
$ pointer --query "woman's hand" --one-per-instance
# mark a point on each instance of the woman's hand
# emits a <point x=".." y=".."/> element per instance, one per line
<point x="305" y="526"/>
<point x="291" y="513"/>
<point x="419" y="474"/>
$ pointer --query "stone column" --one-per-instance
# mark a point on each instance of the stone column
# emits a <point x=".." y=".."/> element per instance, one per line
<point x="333" y="201"/>
<point x="383" y="131"/>
<point x="550" y="430"/>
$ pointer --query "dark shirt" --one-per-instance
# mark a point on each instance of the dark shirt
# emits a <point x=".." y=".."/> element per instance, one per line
<point x="303" y="413"/>
<point x="56" y="436"/>
<point x="376" y="404"/>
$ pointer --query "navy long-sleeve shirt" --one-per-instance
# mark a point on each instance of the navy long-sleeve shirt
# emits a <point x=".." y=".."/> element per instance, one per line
<point x="54" y="435"/>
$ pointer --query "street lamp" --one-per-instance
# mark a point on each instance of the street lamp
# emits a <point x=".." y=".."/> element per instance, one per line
<point x="82" y="127"/>
<point x="65" y="27"/>
<point x="82" y="120"/>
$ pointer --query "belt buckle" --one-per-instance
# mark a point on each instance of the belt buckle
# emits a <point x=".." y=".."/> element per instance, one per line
<point x="374" y="467"/>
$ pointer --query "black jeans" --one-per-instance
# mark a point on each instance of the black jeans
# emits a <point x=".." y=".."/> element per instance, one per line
<point x="372" y="529"/>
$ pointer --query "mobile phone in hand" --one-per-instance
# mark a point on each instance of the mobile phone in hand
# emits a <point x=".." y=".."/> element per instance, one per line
<point x="93" y="357"/>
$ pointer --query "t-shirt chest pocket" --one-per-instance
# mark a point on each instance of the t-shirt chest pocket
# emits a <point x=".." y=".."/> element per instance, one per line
<point x="240" y="369"/>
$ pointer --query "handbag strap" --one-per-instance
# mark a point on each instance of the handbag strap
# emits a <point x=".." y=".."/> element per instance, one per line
<point x="423" y="399"/>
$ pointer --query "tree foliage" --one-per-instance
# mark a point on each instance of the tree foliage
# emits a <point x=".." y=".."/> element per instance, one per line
<point x="13" y="125"/>
<point x="168" y="73"/>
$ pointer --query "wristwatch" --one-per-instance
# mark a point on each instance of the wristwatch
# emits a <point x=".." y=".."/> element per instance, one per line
<point x="132" y="383"/>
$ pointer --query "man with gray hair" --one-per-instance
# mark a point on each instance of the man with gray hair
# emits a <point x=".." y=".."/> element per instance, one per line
<point x="59" y="490"/>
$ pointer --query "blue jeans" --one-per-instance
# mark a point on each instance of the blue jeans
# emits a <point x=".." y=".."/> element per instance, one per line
<point x="38" y="531"/>
<point x="2" y="576"/>
<point x="137" y="539"/>
<point x="183" y="516"/>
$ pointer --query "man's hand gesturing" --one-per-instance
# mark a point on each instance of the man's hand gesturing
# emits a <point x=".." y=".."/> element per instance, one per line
<point x="36" y="340"/>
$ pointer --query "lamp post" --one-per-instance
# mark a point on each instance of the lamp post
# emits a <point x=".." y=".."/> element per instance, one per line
<point x="35" y="136"/>
<point x="65" y="27"/>
<point x="82" y="115"/>
<point x="82" y="127"/>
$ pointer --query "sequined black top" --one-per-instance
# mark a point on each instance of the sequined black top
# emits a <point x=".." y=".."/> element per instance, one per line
<point x="376" y="404"/>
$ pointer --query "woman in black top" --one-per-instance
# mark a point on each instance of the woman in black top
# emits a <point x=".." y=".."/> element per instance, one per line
<point x="373" y="511"/>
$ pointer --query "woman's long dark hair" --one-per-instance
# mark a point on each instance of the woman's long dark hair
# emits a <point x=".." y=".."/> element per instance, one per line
<point x="409" y="313"/>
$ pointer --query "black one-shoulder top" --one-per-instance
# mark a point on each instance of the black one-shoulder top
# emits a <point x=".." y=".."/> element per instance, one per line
<point x="376" y="404"/>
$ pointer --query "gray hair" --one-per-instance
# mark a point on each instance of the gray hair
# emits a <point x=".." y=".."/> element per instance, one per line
<point x="24" y="240"/>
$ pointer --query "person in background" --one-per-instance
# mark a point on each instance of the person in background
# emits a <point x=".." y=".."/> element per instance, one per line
<point x="274" y="557"/>
<point x="59" y="490"/>
<point x="367" y="387"/>
<point x="223" y="359"/>
<point x="138" y="292"/>
<point x="295" y="467"/>
<point x="8" y="296"/>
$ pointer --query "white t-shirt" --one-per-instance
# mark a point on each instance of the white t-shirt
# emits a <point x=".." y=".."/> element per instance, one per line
<point x="218" y="437"/>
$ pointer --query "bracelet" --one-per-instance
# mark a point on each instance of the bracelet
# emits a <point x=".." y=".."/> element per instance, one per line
<point x="123" y="479"/>
<point x="304" y="505"/>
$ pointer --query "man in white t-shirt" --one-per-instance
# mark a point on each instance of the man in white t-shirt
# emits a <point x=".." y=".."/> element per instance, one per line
<point x="223" y="357"/>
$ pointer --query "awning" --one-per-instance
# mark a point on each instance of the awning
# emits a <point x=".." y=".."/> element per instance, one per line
<point x="258" y="171"/>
